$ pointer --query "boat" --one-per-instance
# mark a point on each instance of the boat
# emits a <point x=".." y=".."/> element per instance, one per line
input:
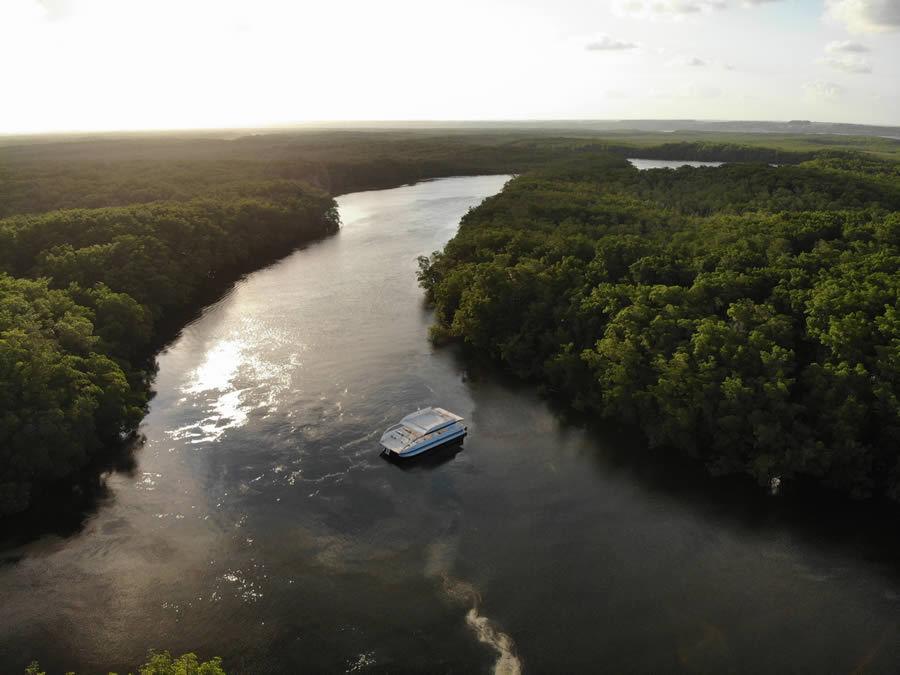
<point x="421" y="431"/>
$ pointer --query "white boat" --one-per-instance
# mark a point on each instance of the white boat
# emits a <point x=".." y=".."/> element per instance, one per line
<point x="422" y="430"/>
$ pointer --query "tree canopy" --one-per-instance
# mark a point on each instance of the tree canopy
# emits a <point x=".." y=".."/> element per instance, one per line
<point x="745" y="315"/>
<point x="162" y="664"/>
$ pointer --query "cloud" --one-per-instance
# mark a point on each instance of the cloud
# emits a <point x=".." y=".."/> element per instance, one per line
<point x="822" y="91"/>
<point x="838" y="46"/>
<point x="687" y="61"/>
<point x="666" y="9"/>
<point x="713" y="63"/>
<point x="676" y="9"/>
<point x="844" y="55"/>
<point x="689" y="90"/>
<point x="15" y="13"/>
<point x="607" y="44"/>
<point x="56" y="8"/>
<point x="698" y="91"/>
<point x="847" y="63"/>
<point x="866" y="16"/>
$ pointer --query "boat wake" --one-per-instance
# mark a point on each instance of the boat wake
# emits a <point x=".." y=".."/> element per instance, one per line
<point x="463" y="592"/>
<point x="508" y="663"/>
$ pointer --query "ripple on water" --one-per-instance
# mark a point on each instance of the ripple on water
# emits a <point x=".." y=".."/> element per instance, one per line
<point x="364" y="660"/>
<point x="215" y="385"/>
<point x="245" y="587"/>
<point x="147" y="481"/>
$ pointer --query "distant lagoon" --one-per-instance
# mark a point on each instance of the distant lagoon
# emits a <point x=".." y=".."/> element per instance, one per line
<point x="644" y="164"/>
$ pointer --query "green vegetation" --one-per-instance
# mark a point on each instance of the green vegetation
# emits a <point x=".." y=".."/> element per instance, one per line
<point x="104" y="240"/>
<point x="186" y="664"/>
<point x="747" y="316"/>
<point x="94" y="172"/>
<point x="162" y="664"/>
<point x="787" y="143"/>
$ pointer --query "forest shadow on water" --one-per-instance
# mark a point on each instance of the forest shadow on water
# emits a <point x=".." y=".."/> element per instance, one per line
<point x="62" y="510"/>
<point x="825" y="520"/>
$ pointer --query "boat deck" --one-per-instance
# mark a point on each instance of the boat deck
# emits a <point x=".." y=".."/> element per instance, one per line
<point x="422" y="428"/>
<point x="427" y="419"/>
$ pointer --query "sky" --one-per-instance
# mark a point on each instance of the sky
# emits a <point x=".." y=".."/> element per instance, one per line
<point x="79" y="65"/>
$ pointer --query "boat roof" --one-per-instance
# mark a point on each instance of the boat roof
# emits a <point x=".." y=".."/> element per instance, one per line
<point x="428" y="418"/>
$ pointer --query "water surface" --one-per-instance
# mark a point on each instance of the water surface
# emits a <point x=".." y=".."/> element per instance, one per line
<point x="262" y="525"/>
<point x="644" y="164"/>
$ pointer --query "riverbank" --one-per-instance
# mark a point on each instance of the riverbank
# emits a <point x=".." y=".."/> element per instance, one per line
<point x="86" y="292"/>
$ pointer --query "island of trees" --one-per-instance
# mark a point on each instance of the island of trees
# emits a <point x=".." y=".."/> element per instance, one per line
<point x="746" y="316"/>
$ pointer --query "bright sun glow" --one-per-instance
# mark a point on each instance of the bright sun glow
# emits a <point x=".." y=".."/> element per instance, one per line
<point x="159" y="64"/>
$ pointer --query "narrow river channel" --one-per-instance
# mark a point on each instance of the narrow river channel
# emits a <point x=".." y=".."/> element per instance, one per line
<point x="260" y="523"/>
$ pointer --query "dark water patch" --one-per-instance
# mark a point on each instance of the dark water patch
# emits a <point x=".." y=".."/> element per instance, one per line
<point x="821" y="518"/>
<point x="61" y="509"/>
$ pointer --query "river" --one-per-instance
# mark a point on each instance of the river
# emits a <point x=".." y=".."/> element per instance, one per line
<point x="261" y="524"/>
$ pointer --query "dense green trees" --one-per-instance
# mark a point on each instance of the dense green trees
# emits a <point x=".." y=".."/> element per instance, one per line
<point x="159" y="253"/>
<point x="61" y="396"/>
<point x="95" y="172"/>
<point x="81" y="292"/>
<point x="186" y="664"/>
<point x="745" y="315"/>
<point x="162" y="664"/>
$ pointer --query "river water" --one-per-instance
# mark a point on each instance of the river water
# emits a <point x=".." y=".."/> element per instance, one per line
<point x="644" y="164"/>
<point x="260" y="523"/>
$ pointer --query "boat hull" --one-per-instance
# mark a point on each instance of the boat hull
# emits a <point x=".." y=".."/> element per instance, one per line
<point x="419" y="448"/>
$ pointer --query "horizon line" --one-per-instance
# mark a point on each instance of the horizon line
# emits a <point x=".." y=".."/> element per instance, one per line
<point x="437" y="123"/>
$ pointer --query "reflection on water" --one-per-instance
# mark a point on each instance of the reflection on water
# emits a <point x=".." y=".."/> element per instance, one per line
<point x="218" y="369"/>
<point x="427" y="461"/>
<point x="239" y="374"/>
<point x="261" y="523"/>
